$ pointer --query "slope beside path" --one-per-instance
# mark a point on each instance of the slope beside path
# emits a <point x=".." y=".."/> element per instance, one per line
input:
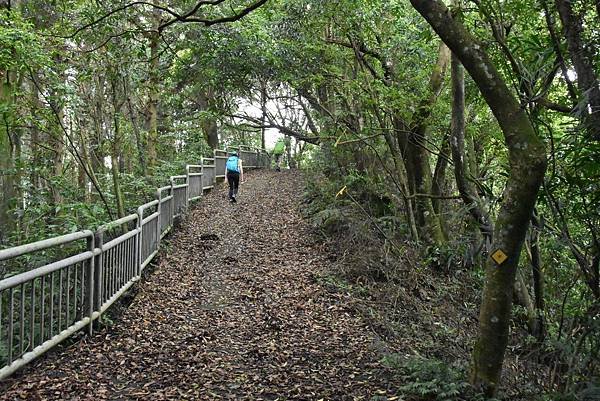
<point x="233" y="311"/>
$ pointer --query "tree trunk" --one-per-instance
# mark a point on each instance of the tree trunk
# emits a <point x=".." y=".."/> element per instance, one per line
<point x="7" y="176"/>
<point x="153" y="91"/>
<point x="583" y="61"/>
<point x="539" y="329"/>
<point x="439" y="176"/>
<point x="138" y="138"/>
<point x="57" y="159"/>
<point x="36" y="159"/>
<point x="400" y="170"/>
<point x="114" y="160"/>
<point x="466" y="190"/>
<point x="97" y="141"/>
<point x="523" y="298"/>
<point x="87" y="166"/>
<point x="263" y="116"/>
<point x="9" y="144"/>
<point x="527" y="165"/>
<point x="209" y="123"/>
<point x="418" y="166"/>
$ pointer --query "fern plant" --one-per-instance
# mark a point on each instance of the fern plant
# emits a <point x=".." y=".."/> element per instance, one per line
<point x="429" y="379"/>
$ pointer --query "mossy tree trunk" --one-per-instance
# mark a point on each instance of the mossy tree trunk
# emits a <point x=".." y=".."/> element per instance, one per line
<point x="417" y="154"/>
<point x="527" y="165"/>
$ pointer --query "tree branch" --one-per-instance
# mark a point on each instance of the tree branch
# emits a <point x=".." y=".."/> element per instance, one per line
<point x="176" y="17"/>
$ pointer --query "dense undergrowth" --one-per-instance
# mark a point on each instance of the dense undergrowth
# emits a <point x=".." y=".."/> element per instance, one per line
<point x="423" y="302"/>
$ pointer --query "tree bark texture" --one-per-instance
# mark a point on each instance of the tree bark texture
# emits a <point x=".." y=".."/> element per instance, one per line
<point x="527" y="165"/>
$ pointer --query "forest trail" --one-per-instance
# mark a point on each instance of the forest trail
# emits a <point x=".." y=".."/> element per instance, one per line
<point x="234" y="310"/>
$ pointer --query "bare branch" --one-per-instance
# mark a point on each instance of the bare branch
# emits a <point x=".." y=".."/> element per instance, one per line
<point x="257" y="123"/>
<point x="176" y="17"/>
<point x="208" y="22"/>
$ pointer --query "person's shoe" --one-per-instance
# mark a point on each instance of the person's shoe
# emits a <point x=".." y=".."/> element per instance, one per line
<point x="231" y="200"/>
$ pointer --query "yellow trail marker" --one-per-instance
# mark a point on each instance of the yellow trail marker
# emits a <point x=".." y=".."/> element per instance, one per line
<point x="341" y="191"/>
<point x="499" y="256"/>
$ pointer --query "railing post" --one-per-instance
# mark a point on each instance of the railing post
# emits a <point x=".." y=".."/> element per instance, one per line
<point x="202" y="171"/>
<point x="158" y="219"/>
<point x="89" y="284"/>
<point x="214" y="168"/>
<point x="139" y="242"/>
<point x="187" y="189"/>
<point x="172" y="193"/>
<point x="215" y="163"/>
<point x="98" y="273"/>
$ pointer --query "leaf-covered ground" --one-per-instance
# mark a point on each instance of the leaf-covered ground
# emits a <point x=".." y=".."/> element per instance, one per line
<point x="232" y="311"/>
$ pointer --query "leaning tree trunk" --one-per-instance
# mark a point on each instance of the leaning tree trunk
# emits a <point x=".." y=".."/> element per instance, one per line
<point x="527" y="165"/>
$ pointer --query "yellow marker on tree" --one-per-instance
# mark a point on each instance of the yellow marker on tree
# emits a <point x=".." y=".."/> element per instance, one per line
<point x="499" y="256"/>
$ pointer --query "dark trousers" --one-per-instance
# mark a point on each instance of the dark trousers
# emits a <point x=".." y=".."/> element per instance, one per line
<point x="233" y="179"/>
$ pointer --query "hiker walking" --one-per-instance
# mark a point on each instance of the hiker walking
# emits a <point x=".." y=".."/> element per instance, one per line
<point x="278" y="153"/>
<point x="233" y="174"/>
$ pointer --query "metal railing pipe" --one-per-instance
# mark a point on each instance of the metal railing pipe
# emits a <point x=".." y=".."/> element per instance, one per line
<point x="21" y="278"/>
<point x="43" y="244"/>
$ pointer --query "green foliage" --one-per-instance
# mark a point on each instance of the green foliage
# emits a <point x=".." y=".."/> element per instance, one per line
<point x="20" y="46"/>
<point x="443" y="258"/>
<point x="428" y="379"/>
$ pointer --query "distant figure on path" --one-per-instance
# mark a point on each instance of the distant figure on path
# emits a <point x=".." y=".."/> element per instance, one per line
<point x="278" y="153"/>
<point x="233" y="174"/>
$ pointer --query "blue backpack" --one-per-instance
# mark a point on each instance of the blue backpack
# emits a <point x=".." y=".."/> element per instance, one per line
<point x="233" y="164"/>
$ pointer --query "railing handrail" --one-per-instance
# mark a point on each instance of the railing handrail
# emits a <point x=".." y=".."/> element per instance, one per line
<point x="20" y="250"/>
<point x="24" y="277"/>
<point x="147" y="206"/>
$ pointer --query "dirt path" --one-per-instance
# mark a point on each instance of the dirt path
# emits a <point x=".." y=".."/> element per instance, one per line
<point x="233" y="311"/>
